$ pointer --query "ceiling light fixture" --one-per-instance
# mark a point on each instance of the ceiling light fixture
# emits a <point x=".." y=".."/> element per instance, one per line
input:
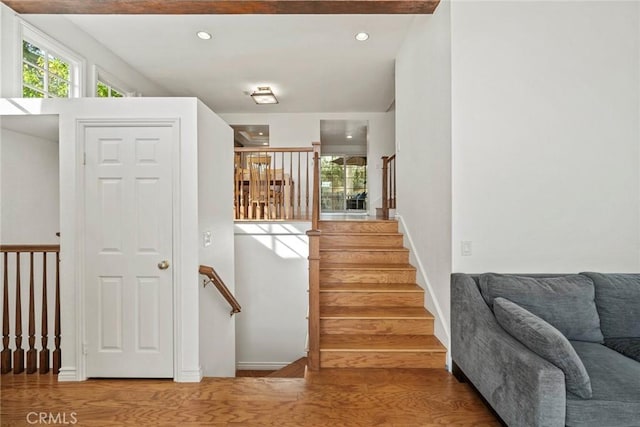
<point x="203" y="35"/>
<point x="264" y="95"/>
<point x="349" y="136"/>
<point x="362" y="36"/>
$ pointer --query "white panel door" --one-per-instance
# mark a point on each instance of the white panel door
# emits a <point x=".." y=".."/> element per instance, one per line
<point x="128" y="247"/>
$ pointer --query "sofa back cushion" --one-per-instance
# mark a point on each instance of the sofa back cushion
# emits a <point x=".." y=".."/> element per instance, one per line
<point x="618" y="303"/>
<point x="566" y="302"/>
<point x="546" y="341"/>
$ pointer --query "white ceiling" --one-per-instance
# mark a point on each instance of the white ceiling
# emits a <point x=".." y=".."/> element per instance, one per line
<point x="312" y="62"/>
<point x="42" y="126"/>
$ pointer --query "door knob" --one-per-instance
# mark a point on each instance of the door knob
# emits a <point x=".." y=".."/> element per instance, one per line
<point x="163" y="265"/>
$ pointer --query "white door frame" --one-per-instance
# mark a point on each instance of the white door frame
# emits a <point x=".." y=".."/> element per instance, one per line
<point x="79" y="274"/>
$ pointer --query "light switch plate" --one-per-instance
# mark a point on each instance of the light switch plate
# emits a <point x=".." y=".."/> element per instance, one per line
<point x="206" y="238"/>
<point x="466" y="248"/>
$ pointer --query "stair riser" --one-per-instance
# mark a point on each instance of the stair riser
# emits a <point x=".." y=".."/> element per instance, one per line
<point x="377" y="326"/>
<point x="367" y="276"/>
<point x="372" y="299"/>
<point x="330" y="359"/>
<point x="359" y="227"/>
<point x="355" y="241"/>
<point x="375" y="257"/>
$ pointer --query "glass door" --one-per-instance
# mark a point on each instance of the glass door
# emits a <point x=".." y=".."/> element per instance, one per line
<point x="343" y="183"/>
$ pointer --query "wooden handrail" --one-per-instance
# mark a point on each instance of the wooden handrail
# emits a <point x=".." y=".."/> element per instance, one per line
<point x="29" y="248"/>
<point x="213" y="277"/>
<point x="388" y="184"/>
<point x="273" y="149"/>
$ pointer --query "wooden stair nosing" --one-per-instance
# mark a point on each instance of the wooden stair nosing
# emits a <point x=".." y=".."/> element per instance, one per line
<point x="371" y="287"/>
<point x="387" y="313"/>
<point x="368" y="266"/>
<point x="381" y="343"/>
<point x="364" y="249"/>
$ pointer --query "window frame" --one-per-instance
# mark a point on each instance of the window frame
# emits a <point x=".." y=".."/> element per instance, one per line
<point x="51" y="47"/>
<point x="100" y="75"/>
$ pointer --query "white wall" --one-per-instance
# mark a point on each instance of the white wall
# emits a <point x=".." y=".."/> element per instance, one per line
<point x="546" y="136"/>
<point x="29" y="211"/>
<point x="423" y="135"/>
<point x="301" y="129"/>
<point x="215" y="187"/>
<point x="185" y="260"/>
<point x="29" y="189"/>
<point x="71" y="36"/>
<point x="271" y="285"/>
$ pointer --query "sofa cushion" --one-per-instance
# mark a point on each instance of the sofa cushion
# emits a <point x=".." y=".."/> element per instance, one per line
<point x="546" y="341"/>
<point x="566" y="302"/>
<point x="630" y="347"/>
<point x="618" y="303"/>
<point x="615" y="381"/>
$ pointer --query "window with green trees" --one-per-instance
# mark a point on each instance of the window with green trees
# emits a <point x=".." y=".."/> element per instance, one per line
<point x="105" y="90"/>
<point x="45" y="74"/>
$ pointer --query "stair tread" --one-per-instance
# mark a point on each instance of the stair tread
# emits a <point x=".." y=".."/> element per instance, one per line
<point x="376" y="343"/>
<point x="336" y="248"/>
<point x="350" y="221"/>
<point x="370" y="287"/>
<point x="360" y="233"/>
<point x="365" y="266"/>
<point x="351" y="312"/>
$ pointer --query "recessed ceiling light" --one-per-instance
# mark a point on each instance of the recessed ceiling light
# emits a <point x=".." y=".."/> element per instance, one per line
<point x="349" y="136"/>
<point x="203" y="35"/>
<point x="362" y="36"/>
<point x="265" y="143"/>
<point x="260" y="133"/>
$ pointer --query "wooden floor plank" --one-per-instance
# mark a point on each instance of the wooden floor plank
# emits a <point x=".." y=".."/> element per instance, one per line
<point x="346" y="397"/>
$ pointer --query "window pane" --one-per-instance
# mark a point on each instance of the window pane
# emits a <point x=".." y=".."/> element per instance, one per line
<point x="27" y="92"/>
<point x="58" y="67"/>
<point x="33" y="76"/>
<point x="32" y="53"/>
<point x="102" y="90"/>
<point x="115" y="93"/>
<point x="58" y="87"/>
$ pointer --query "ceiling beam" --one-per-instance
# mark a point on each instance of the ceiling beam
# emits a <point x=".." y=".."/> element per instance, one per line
<point x="188" y="7"/>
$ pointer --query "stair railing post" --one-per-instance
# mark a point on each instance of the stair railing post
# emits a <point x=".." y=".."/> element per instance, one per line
<point x="313" y="351"/>
<point x="313" y="354"/>
<point x="385" y="194"/>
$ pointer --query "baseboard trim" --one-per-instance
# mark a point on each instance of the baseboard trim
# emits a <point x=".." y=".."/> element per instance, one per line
<point x="260" y="366"/>
<point x="423" y="274"/>
<point x="189" y="376"/>
<point x="68" y="375"/>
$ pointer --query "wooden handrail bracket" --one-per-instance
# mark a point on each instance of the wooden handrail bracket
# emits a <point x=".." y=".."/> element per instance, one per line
<point x="213" y="277"/>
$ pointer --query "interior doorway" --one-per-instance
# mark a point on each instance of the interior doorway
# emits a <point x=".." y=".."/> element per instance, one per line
<point x="343" y="167"/>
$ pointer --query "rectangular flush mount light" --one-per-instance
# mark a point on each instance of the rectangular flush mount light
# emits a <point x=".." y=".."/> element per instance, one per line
<point x="264" y="96"/>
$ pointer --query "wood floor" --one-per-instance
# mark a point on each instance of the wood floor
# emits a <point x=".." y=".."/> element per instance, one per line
<point x="330" y="397"/>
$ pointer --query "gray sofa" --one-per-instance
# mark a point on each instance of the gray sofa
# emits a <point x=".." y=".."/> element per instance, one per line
<point x="550" y="350"/>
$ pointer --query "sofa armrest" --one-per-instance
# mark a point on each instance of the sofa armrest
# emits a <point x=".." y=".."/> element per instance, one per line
<point x="523" y="388"/>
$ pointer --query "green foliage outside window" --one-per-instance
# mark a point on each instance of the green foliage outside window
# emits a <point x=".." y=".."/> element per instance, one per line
<point x="44" y="75"/>
<point x="103" y="90"/>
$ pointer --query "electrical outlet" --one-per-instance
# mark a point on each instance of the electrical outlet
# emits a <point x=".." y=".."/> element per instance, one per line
<point x="466" y="248"/>
<point x="206" y="239"/>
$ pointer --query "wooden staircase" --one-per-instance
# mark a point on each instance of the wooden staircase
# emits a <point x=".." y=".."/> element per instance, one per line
<point x="372" y="311"/>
